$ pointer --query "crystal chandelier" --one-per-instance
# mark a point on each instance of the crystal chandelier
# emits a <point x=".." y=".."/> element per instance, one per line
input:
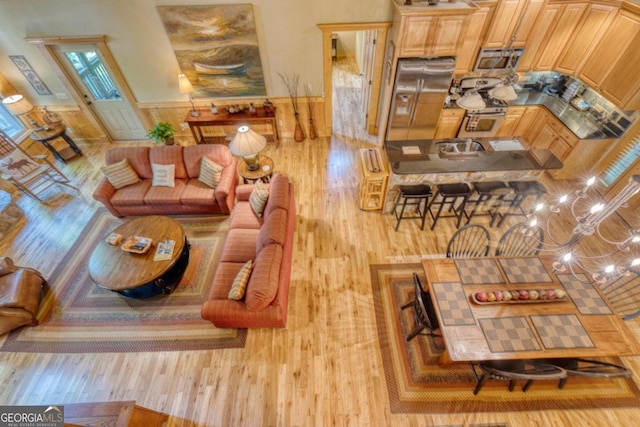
<point x="623" y="254"/>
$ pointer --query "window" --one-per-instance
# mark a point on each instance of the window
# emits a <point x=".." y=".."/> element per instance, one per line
<point x="627" y="157"/>
<point x="8" y="123"/>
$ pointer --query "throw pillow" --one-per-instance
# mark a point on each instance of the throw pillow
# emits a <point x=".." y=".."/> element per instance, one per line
<point x="120" y="174"/>
<point x="163" y="175"/>
<point x="210" y="172"/>
<point x="239" y="285"/>
<point x="258" y="198"/>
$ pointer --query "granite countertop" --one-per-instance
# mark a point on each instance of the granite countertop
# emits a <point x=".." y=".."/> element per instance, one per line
<point x="581" y="123"/>
<point x="455" y="155"/>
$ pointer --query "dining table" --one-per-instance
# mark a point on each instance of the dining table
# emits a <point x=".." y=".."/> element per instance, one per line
<point x="564" y="315"/>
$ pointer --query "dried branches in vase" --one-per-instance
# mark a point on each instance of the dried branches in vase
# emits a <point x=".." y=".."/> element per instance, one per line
<point x="311" y="104"/>
<point x="291" y="81"/>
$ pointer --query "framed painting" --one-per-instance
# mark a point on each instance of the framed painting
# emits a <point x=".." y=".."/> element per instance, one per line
<point x="217" y="48"/>
<point x="31" y="76"/>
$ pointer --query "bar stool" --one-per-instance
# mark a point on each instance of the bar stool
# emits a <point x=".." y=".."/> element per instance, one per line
<point x="413" y="195"/>
<point x="450" y="193"/>
<point x="491" y="195"/>
<point x="522" y="190"/>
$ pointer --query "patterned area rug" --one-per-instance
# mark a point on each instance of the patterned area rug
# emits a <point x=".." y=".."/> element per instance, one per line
<point x="77" y="316"/>
<point x="416" y="384"/>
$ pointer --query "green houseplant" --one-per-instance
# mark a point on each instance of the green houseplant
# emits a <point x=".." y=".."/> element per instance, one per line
<point x="162" y="133"/>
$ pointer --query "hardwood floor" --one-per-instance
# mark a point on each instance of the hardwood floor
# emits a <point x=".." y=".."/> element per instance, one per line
<point x="324" y="368"/>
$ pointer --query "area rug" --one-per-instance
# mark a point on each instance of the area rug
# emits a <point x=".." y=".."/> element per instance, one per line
<point x="417" y="384"/>
<point x="77" y="316"/>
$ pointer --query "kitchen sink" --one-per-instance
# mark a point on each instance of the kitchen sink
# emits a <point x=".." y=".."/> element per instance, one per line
<point x="460" y="147"/>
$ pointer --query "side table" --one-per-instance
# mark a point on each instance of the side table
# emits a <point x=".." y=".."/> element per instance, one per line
<point x="263" y="173"/>
<point x="55" y="131"/>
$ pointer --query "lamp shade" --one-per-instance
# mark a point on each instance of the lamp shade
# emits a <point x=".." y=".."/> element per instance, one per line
<point x="247" y="142"/>
<point x="17" y="104"/>
<point x="471" y="100"/>
<point x="184" y="84"/>
<point x="503" y="93"/>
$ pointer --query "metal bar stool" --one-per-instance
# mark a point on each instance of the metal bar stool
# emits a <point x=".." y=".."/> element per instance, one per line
<point x="522" y="190"/>
<point x="450" y="193"/>
<point x="412" y="195"/>
<point x="491" y="195"/>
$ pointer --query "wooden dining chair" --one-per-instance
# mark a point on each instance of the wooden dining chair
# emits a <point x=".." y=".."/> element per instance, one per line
<point x="424" y="312"/>
<point x="514" y="370"/>
<point x="521" y="240"/>
<point x="470" y="241"/>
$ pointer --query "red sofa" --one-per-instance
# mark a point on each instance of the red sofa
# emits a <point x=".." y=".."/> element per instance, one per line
<point x="269" y="242"/>
<point x="189" y="196"/>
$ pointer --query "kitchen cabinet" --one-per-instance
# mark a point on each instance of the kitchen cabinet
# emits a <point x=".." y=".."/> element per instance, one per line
<point x="592" y="26"/>
<point x="554" y="136"/>
<point x="521" y="121"/>
<point x="580" y="161"/>
<point x="511" y="119"/>
<point x="507" y="16"/>
<point x="611" y="48"/>
<point x="477" y="28"/>
<point x="431" y="32"/>
<point x="622" y="86"/>
<point x="555" y="25"/>
<point x="449" y="123"/>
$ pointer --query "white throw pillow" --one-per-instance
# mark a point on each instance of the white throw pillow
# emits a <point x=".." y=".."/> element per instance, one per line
<point x="120" y="174"/>
<point x="163" y="175"/>
<point x="258" y="198"/>
<point x="210" y="172"/>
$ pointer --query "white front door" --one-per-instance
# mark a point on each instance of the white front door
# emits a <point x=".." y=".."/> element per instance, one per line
<point x="101" y="93"/>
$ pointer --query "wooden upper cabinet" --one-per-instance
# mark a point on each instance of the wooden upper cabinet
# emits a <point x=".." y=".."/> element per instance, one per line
<point x="506" y="19"/>
<point x="611" y="49"/>
<point x="431" y="32"/>
<point x="555" y="25"/>
<point x="593" y="25"/>
<point x="622" y="85"/>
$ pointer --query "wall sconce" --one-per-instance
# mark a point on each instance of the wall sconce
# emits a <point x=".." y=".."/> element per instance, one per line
<point x="248" y="144"/>
<point x="186" y="87"/>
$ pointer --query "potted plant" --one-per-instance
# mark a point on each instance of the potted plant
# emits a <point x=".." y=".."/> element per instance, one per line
<point x="162" y="133"/>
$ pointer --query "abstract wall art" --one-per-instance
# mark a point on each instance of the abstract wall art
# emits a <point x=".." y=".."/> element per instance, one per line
<point x="217" y="48"/>
<point x="31" y="76"/>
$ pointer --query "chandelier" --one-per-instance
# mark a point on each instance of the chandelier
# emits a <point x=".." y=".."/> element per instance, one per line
<point x="623" y="254"/>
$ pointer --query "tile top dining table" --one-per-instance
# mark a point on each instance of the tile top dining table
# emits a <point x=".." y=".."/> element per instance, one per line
<point x="581" y="324"/>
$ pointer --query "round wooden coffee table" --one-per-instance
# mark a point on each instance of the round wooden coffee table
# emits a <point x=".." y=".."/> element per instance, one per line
<point x="263" y="173"/>
<point x="138" y="275"/>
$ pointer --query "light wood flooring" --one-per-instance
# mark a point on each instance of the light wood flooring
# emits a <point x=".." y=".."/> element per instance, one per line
<point x="323" y="369"/>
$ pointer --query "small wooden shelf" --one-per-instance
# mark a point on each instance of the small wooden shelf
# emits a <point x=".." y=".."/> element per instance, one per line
<point x="374" y="179"/>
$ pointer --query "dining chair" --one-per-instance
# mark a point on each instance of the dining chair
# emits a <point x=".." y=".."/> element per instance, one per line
<point x="514" y="370"/>
<point x="588" y="368"/>
<point x="521" y="240"/>
<point x="30" y="174"/>
<point x="623" y="294"/>
<point x="424" y="312"/>
<point x="470" y="241"/>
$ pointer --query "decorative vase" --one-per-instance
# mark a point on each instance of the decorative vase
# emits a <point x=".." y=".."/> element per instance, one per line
<point x="298" y="134"/>
<point x="312" y="130"/>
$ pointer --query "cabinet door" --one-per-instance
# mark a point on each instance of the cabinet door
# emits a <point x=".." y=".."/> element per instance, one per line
<point x="622" y="86"/>
<point x="447" y="38"/>
<point x="545" y="137"/>
<point x="537" y="37"/>
<point x="529" y="21"/>
<point x="511" y="121"/>
<point x="594" y="23"/>
<point x="503" y="23"/>
<point x="450" y="120"/>
<point x="529" y="123"/>
<point x="416" y="35"/>
<point x="610" y="49"/>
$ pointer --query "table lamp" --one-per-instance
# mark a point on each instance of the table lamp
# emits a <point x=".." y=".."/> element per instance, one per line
<point x="19" y="106"/>
<point x="248" y="144"/>
<point x="186" y="87"/>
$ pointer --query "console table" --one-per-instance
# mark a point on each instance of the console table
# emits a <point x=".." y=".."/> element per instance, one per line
<point x="223" y="118"/>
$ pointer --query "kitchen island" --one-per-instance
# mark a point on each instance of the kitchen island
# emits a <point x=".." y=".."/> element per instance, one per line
<point x="441" y="161"/>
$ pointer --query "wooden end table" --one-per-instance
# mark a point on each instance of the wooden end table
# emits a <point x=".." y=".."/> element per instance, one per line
<point x="263" y="173"/>
<point x="138" y="275"/>
<point x="55" y="131"/>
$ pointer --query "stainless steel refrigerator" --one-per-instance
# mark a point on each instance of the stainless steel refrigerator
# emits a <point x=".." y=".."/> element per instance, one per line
<point x="419" y="93"/>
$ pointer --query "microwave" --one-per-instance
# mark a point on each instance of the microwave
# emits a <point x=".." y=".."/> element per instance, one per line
<point x="498" y="59"/>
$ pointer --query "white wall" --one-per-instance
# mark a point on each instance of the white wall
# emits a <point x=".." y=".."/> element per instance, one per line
<point x="290" y="40"/>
